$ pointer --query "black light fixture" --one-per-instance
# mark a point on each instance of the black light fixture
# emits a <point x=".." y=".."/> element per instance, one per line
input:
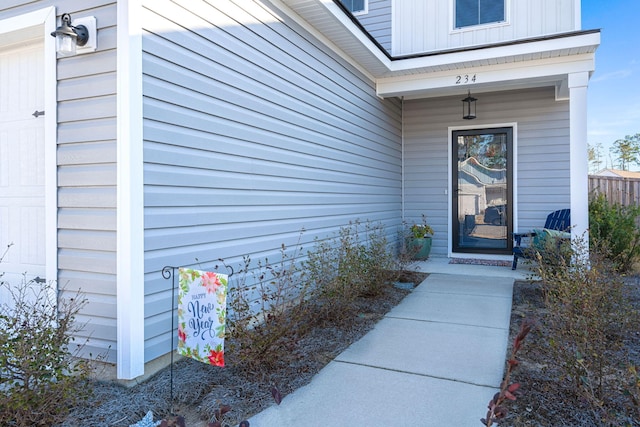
<point x="469" y="107"/>
<point x="68" y="37"/>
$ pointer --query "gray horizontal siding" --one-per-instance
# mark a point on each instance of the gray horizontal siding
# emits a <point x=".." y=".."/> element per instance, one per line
<point x="377" y="22"/>
<point x="542" y="147"/>
<point x="253" y="130"/>
<point x="86" y="94"/>
<point x="87" y="219"/>
<point x="86" y="173"/>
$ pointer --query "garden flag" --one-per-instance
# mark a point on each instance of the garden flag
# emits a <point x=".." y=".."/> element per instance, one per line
<point x="202" y="308"/>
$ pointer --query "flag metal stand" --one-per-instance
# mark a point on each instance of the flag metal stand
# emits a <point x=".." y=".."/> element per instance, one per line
<point x="169" y="272"/>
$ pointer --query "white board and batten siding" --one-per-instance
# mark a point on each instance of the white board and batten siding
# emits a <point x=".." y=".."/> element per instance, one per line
<point x="428" y="25"/>
<point x="377" y="21"/>
<point x="253" y="130"/>
<point x="542" y="138"/>
<point x="86" y="95"/>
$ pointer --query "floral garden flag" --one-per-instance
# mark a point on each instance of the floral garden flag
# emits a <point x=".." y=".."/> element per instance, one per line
<point x="202" y="302"/>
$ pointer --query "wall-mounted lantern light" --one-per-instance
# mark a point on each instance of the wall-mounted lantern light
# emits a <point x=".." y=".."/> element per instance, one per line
<point x="69" y="37"/>
<point x="469" y="107"/>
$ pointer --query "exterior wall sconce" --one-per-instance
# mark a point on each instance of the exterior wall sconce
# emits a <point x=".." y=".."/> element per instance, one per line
<point x="73" y="39"/>
<point x="469" y="107"/>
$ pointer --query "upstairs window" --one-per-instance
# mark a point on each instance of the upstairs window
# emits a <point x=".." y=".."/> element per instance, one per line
<point x="478" y="12"/>
<point x="355" y="6"/>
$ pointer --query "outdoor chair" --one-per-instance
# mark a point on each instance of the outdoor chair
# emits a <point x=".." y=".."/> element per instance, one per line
<point x="548" y="239"/>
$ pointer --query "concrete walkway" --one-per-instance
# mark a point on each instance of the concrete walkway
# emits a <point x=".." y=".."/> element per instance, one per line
<point x="436" y="359"/>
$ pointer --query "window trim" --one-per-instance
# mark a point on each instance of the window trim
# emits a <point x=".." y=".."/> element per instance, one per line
<point x="455" y="30"/>
<point x="360" y="12"/>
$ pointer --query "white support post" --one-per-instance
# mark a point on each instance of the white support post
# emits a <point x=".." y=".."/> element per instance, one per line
<point x="579" y="163"/>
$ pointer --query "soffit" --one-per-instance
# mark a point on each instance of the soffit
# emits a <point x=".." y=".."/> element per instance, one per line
<point x="326" y="17"/>
<point x="348" y="37"/>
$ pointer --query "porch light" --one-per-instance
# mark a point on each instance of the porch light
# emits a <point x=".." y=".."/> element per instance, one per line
<point x="469" y="107"/>
<point x="68" y="37"/>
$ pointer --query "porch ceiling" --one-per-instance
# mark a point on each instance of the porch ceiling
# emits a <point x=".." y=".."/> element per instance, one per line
<point x="543" y="61"/>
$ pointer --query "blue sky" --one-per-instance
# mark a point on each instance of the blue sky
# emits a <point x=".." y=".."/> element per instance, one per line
<point x="614" y="89"/>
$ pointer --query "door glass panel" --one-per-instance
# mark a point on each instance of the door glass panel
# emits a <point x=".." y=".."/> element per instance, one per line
<point x="482" y="185"/>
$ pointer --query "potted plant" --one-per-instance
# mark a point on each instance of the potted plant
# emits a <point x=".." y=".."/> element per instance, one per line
<point x="419" y="240"/>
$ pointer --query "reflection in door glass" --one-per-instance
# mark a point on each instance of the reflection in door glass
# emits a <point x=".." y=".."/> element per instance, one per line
<point x="482" y="196"/>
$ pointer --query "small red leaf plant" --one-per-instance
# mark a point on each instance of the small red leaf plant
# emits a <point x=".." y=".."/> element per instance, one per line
<point x="219" y="414"/>
<point x="497" y="409"/>
<point x="173" y="421"/>
<point x="277" y="397"/>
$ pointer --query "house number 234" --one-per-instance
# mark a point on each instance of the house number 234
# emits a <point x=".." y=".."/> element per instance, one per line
<point x="465" y="79"/>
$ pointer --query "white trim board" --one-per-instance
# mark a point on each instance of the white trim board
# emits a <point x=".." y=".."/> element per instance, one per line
<point x="130" y="194"/>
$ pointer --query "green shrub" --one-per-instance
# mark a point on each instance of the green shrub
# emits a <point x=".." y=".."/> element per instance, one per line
<point x="613" y="231"/>
<point x="39" y="377"/>
<point x="587" y="316"/>
<point x="552" y="247"/>
<point x="271" y="305"/>
<point x="357" y="262"/>
<point x="267" y="306"/>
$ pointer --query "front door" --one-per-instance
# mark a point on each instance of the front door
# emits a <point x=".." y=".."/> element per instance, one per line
<point x="482" y="196"/>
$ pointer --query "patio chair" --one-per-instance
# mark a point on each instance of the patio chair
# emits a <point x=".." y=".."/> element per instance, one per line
<point x="556" y="230"/>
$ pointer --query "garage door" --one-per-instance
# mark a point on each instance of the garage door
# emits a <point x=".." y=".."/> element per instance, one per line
<point x="22" y="186"/>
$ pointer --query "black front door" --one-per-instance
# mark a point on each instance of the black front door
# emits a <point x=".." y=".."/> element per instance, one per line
<point x="482" y="196"/>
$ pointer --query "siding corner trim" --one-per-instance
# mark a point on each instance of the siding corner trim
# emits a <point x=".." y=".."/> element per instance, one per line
<point x="130" y="210"/>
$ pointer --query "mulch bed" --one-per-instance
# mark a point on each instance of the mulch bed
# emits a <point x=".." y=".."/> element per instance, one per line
<point x="545" y="397"/>
<point x="200" y="389"/>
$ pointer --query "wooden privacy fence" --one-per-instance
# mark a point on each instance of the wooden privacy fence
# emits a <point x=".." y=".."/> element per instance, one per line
<point x="625" y="191"/>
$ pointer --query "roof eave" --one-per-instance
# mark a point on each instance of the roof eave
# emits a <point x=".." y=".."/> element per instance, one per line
<point x="349" y="37"/>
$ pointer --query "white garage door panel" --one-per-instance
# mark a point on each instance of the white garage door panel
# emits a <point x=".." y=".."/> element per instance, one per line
<point x="22" y="191"/>
<point x="21" y="80"/>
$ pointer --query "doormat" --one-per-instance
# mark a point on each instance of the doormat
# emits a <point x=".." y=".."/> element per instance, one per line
<point x="475" y="261"/>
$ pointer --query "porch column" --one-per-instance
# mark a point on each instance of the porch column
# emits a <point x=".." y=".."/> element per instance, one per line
<point x="578" y="158"/>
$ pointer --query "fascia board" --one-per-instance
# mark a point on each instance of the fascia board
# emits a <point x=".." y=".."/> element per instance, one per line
<point x="487" y="77"/>
<point x="591" y="40"/>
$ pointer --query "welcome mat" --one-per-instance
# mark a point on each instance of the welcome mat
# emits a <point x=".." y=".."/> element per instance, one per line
<point x="486" y="231"/>
<point x="475" y="261"/>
